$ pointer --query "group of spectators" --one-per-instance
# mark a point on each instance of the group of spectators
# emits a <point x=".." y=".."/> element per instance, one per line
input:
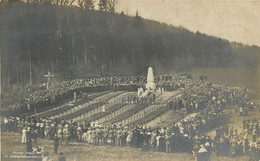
<point x="236" y="141"/>
<point x="198" y="95"/>
<point x="40" y="97"/>
<point x="176" y="138"/>
<point x="203" y="103"/>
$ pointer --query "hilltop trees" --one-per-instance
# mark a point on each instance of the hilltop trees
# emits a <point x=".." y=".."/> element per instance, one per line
<point x="107" y="5"/>
<point x="62" y="3"/>
<point x="112" y="5"/>
<point x="103" y="5"/>
<point x="86" y="4"/>
<point x="81" y="42"/>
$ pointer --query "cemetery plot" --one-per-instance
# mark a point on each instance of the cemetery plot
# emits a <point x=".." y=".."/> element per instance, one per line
<point x="128" y="113"/>
<point x="69" y="106"/>
<point x="106" y="112"/>
<point x="150" y="116"/>
<point x="89" y="109"/>
<point x="82" y="111"/>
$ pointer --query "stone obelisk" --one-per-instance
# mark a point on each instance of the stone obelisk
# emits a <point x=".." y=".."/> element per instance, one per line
<point x="150" y="85"/>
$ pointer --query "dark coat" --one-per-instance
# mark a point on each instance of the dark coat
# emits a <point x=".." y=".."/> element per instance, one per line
<point x="28" y="142"/>
<point x="56" y="141"/>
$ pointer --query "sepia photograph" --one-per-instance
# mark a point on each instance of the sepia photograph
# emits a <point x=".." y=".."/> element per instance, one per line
<point x="130" y="80"/>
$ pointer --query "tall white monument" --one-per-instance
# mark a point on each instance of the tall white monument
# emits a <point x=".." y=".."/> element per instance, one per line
<point x="150" y="85"/>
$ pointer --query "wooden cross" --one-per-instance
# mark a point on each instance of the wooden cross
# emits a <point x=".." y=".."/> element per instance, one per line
<point x="49" y="75"/>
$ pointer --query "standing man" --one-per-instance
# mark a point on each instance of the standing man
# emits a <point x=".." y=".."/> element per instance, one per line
<point x="28" y="140"/>
<point x="56" y="143"/>
<point x="168" y="142"/>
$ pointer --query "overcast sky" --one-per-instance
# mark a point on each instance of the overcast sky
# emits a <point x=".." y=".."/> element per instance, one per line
<point x="235" y="20"/>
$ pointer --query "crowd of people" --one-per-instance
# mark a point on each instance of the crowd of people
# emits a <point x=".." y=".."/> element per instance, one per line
<point x="203" y="103"/>
<point x="176" y="138"/>
<point x="235" y="141"/>
<point x="40" y="97"/>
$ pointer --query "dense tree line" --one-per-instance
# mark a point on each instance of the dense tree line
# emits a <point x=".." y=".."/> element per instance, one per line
<point x="76" y="39"/>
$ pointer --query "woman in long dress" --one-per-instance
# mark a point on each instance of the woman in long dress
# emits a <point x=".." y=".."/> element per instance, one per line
<point x="24" y="135"/>
<point x="129" y="138"/>
<point x="89" y="136"/>
<point x="93" y="137"/>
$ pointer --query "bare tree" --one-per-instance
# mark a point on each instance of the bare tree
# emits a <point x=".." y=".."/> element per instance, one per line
<point x="89" y="4"/>
<point x="103" y="5"/>
<point x="67" y="3"/>
<point x="107" y="5"/>
<point x="112" y="5"/>
<point x="81" y="3"/>
<point x="86" y="4"/>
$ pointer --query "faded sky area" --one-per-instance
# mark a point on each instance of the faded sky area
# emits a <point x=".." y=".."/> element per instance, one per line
<point x="235" y="20"/>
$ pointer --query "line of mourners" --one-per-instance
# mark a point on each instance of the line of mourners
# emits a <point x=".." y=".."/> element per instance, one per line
<point x="201" y="102"/>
